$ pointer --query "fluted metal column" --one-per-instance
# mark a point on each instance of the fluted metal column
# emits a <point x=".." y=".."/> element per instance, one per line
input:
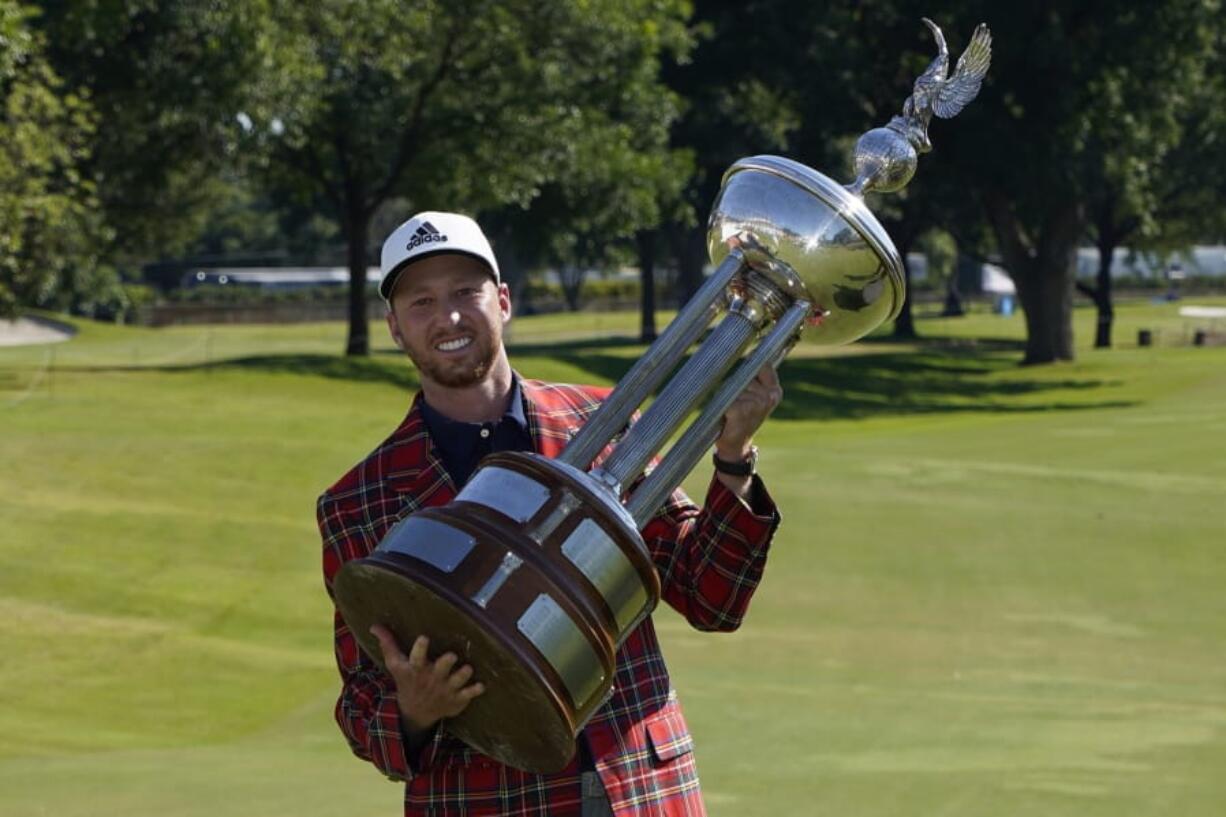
<point x="696" y="378"/>
<point x="686" y="452"/>
<point x="653" y="366"/>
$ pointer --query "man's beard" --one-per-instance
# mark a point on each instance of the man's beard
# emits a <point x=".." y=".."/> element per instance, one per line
<point x="458" y="374"/>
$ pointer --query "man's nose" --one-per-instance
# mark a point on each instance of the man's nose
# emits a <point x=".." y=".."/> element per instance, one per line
<point x="453" y="316"/>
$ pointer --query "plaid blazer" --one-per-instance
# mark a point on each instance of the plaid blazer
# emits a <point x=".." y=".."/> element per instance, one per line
<point x="709" y="561"/>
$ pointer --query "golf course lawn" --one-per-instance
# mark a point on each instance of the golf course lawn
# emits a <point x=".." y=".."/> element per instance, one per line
<point x="997" y="590"/>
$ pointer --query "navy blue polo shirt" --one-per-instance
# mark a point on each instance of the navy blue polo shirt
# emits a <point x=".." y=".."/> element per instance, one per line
<point x="462" y="445"/>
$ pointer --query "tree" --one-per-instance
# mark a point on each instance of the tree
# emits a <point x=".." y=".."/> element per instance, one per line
<point x="905" y="215"/>
<point x="48" y="219"/>
<point x="605" y="204"/>
<point x="647" y="245"/>
<point x="1068" y="80"/>
<point x="835" y="71"/>
<point x="168" y="79"/>
<point x="1161" y="186"/>
<point x="472" y="104"/>
<point x="1070" y="85"/>
<point x="941" y="251"/>
<point x="734" y="107"/>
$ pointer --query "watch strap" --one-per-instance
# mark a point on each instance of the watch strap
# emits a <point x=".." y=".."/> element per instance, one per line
<point x="737" y="468"/>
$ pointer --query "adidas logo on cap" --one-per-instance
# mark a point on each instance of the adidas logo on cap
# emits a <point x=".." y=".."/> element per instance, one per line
<point x="419" y="237"/>
<point x="427" y="233"/>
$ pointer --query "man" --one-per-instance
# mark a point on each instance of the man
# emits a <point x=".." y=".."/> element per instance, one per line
<point x="447" y="308"/>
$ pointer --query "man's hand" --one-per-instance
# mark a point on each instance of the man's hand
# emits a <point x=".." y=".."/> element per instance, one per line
<point x="743" y="418"/>
<point x="426" y="692"/>
<point x="747" y="414"/>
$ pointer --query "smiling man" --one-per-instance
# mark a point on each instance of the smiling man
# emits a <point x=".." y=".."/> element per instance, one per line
<point x="447" y="307"/>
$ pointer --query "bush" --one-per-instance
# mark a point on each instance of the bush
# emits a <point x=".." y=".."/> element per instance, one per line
<point x="94" y="292"/>
<point x="1158" y="283"/>
<point x="243" y="294"/>
<point x="595" y="289"/>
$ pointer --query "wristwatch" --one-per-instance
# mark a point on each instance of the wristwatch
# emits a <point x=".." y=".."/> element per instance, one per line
<point x="743" y="468"/>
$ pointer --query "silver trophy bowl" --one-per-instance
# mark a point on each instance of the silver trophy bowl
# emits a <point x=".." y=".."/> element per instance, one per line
<point x="813" y="239"/>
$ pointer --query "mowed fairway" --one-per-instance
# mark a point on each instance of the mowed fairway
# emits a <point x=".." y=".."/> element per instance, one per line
<point x="997" y="590"/>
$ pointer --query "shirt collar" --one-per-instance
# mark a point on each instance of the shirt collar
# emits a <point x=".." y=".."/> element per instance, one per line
<point x="440" y="423"/>
<point x="515" y="411"/>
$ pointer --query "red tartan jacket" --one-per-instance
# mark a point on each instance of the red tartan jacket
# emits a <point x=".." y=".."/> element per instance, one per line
<point x="709" y="561"/>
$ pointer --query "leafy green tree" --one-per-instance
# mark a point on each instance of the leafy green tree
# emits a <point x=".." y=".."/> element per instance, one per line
<point x="735" y="106"/>
<point x="471" y="104"/>
<point x="1157" y="184"/>
<point x="605" y="202"/>
<point x="1073" y="85"/>
<point x="168" y="80"/>
<point x="48" y="223"/>
<point x="835" y="70"/>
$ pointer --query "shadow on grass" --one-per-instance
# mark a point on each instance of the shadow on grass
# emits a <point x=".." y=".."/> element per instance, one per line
<point x="930" y="381"/>
<point x="392" y="368"/>
<point x="927" y="382"/>
<point x="946" y="375"/>
<point x="380" y="367"/>
<point x="955" y="344"/>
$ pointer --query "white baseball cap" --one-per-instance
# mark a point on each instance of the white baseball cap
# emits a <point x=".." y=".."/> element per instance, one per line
<point x="432" y="233"/>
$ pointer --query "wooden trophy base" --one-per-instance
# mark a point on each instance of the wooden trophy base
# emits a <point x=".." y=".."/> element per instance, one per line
<point x="534" y="577"/>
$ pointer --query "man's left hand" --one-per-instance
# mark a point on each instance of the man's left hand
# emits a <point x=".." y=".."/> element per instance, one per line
<point x="746" y="415"/>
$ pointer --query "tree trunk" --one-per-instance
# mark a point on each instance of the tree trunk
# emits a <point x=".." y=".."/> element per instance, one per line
<point x="510" y="266"/>
<point x="904" y="324"/>
<point x="691" y="254"/>
<point x="647" y="280"/>
<point x="1042" y="270"/>
<point x="571" y="277"/>
<point x="357" y="229"/>
<point x="1046" y="295"/>
<point x="1102" y="296"/>
<point x="952" y="307"/>
<point x="514" y="275"/>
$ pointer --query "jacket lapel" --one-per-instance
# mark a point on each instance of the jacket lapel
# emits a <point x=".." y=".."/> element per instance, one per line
<point x="551" y="427"/>
<point x="422" y="476"/>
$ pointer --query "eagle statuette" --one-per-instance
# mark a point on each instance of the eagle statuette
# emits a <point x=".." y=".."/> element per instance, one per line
<point x="885" y="158"/>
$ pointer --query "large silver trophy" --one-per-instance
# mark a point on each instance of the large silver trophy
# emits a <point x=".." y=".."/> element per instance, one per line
<point x="536" y="573"/>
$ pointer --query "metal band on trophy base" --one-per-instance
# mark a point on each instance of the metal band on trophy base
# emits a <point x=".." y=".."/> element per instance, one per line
<point x="536" y="572"/>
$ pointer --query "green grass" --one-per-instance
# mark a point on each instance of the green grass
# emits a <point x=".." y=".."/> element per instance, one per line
<point x="998" y="590"/>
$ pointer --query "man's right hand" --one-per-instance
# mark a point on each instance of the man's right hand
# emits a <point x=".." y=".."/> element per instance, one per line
<point x="426" y="692"/>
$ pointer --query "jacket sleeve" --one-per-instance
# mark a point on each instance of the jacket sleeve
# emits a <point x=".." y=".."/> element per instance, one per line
<point x="710" y="560"/>
<point x="366" y="711"/>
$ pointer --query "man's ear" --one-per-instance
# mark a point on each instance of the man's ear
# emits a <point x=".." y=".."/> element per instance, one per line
<point x="394" y="328"/>
<point x="504" y="301"/>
